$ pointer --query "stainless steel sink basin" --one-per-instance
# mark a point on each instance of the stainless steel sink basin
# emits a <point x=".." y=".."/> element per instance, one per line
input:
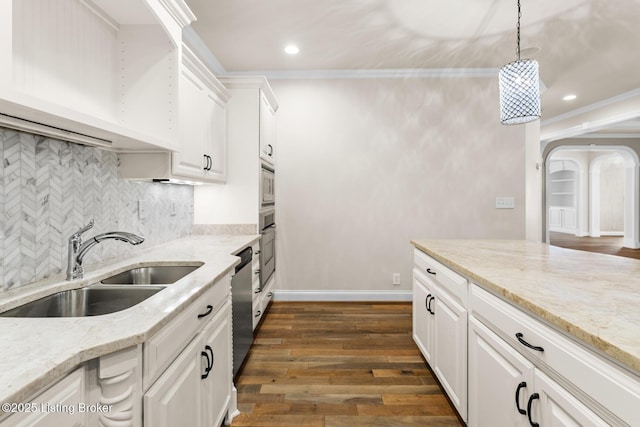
<point x="152" y="275"/>
<point x="89" y="301"/>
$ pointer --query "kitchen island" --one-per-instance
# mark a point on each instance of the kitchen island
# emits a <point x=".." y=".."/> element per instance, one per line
<point x="552" y="312"/>
<point x="37" y="352"/>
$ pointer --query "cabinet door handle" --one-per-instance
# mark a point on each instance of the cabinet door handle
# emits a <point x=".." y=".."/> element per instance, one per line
<point x="208" y="162"/>
<point x="533" y="397"/>
<point x="429" y="305"/>
<point x="208" y="368"/>
<point x="431" y="271"/>
<point x="270" y="294"/>
<point x="259" y="313"/>
<point x="270" y="150"/>
<point x="520" y="386"/>
<point x="206" y="313"/>
<point x="426" y="302"/>
<point x="213" y="359"/>
<point x="257" y="271"/>
<point x="257" y="291"/>
<point x="526" y="344"/>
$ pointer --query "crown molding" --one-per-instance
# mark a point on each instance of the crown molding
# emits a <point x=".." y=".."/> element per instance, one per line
<point x="608" y="136"/>
<point x="400" y="73"/>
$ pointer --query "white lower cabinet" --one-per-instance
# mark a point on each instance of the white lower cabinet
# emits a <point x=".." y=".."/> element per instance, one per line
<point x="566" y="384"/>
<point x="176" y="398"/>
<point x="500" y="380"/>
<point x="553" y="405"/>
<point x="195" y="389"/>
<point x="217" y="384"/>
<point x="181" y="376"/>
<point x="450" y="348"/>
<point x="59" y="405"/>
<point x="440" y="326"/>
<point x="505" y="389"/>
<point x="501" y="366"/>
<point x="423" y="320"/>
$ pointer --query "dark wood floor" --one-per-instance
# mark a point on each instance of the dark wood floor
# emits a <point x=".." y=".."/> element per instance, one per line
<point x="339" y="364"/>
<point x="611" y="245"/>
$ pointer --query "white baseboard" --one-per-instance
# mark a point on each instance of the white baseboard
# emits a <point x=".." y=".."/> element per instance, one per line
<point x="283" y="295"/>
<point x="612" y="233"/>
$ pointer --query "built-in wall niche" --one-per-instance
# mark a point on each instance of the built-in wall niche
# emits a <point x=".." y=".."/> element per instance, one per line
<point x="104" y="69"/>
<point x="562" y="191"/>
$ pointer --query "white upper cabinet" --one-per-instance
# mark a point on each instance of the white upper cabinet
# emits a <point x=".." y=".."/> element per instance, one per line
<point x="254" y="95"/>
<point x="267" y="129"/>
<point x="203" y="116"/>
<point x="201" y="154"/>
<point x="100" y="72"/>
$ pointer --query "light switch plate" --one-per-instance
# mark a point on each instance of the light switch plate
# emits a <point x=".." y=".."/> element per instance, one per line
<point x="505" y="203"/>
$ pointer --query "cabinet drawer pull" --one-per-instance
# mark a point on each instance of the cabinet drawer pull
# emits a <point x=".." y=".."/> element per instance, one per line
<point x="257" y="271"/>
<point x="431" y="271"/>
<point x="520" y="386"/>
<point x="257" y="291"/>
<point x="526" y="344"/>
<point x="270" y="294"/>
<point x="206" y="313"/>
<point x="531" y="399"/>
<point x="259" y="313"/>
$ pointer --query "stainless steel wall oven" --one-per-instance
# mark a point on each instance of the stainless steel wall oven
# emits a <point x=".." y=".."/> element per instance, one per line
<point x="267" y="186"/>
<point x="267" y="245"/>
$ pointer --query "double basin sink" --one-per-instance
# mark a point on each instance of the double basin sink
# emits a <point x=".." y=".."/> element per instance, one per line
<point x="115" y="293"/>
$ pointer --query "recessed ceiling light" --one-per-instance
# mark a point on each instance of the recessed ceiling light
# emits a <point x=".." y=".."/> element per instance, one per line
<point x="569" y="97"/>
<point x="292" y="49"/>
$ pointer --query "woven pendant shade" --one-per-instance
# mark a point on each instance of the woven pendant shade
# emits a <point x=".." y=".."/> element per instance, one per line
<point x="519" y="92"/>
<point x="519" y="88"/>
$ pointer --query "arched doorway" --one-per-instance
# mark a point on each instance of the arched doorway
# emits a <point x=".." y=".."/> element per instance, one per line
<point x="575" y="204"/>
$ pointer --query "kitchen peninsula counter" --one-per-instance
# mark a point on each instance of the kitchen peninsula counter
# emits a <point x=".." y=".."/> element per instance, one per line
<point x="592" y="297"/>
<point x="36" y="352"/>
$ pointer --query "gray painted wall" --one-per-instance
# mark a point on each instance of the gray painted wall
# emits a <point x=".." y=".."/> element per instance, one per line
<point x="365" y="165"/>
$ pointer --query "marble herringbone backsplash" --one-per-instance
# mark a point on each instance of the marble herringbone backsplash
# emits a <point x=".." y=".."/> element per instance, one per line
<point x="49" y="189"/>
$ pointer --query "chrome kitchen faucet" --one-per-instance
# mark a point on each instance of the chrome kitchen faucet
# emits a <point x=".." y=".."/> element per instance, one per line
<point x="77" y="249"/>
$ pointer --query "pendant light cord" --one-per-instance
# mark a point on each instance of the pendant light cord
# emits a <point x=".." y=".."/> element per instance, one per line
<point x="519" y="16"/>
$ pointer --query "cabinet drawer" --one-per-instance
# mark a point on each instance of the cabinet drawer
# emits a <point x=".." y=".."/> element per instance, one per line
<point x="447" y="278"/>
<point x="604" y="385"/>
<point x="164" y="347"/>
<point x="267" y="294"/>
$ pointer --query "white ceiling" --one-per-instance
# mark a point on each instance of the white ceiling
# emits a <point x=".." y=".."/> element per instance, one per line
<point x="585" y="47"/>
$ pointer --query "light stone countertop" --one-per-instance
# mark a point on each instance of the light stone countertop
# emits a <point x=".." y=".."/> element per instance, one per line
<point x="593" y="297"/>
<point x="36" y="352"/>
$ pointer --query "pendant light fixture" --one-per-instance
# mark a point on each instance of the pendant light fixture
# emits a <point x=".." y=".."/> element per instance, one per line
<point x="519" y="88"/>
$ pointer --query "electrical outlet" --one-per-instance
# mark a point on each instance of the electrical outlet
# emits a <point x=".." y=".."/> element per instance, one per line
<point x="505" y="203"/>
<point x="396" y="279"/>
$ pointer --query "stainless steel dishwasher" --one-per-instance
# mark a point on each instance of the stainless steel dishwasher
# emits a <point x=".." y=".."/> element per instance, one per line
<point x="241" y="306"/>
